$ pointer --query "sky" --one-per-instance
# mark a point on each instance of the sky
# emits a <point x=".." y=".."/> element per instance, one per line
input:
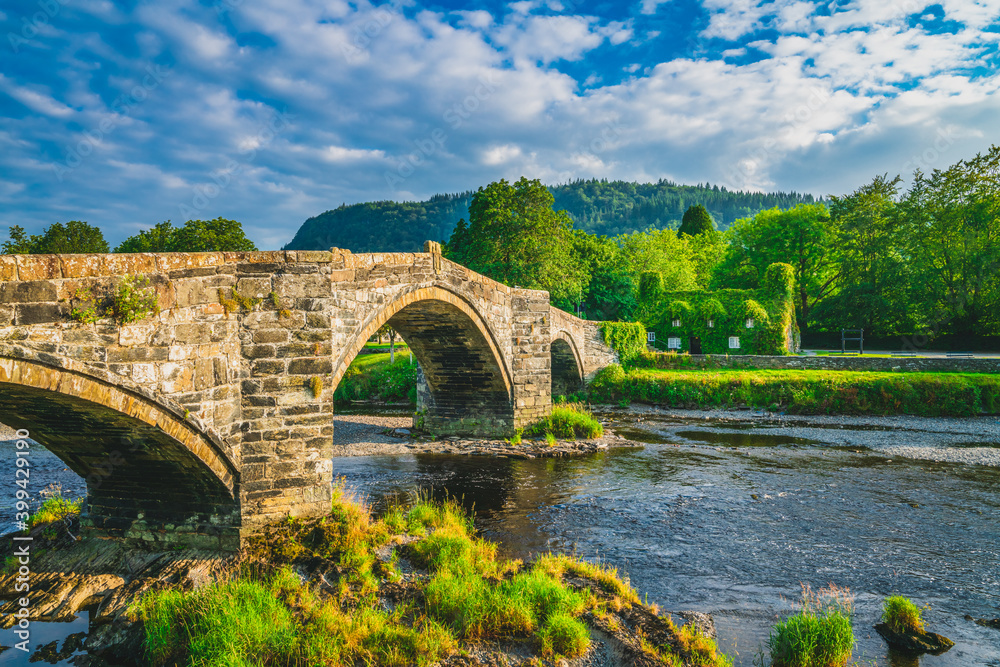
<point x="126" y="114"/>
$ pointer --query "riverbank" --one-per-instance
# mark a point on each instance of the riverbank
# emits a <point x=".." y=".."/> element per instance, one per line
<point x="807" y="392"/>
<point x="413" y="586"/>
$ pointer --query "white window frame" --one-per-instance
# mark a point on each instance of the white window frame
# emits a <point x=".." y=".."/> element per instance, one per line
<point x="750" y="323"/>
<point x="676" y="322"/>
<point x="650" y="336"/>
<point x="734" y="342"/>
<point x="674" y="343"/>
<point x="711" y="323"/>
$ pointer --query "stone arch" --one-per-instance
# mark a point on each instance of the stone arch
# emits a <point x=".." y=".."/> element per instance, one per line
<point x="149" y="470"/>
<point x="567" y="365"/>
<point x="466" y="373"/>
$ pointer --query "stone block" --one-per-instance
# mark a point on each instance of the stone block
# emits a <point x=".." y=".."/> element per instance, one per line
<point x="265" y="367"/>
<point x="318" y="256"/>
<point x="128" y="264"/>
<point x="254" y="288"/>
<point x="258" y="351"/>
<point x="8" y="267"/>
<point x="33" y="291"/>
<point x="315" y="366"/>
<point x="38" y="267"/>
<point x="81" y="266"/>
<point x="39" y="313"/>
<point x="173" y="261"/>
<point x="270" y="336"/>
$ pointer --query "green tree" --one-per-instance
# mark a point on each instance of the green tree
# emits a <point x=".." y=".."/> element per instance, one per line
<point x="514" y="237"/>
<point x="159" y="238"/>
<point x="951" y="221"/>
<point x="215" y="235"/>
<point x="610" y="291"/>
<point x="696" y="220"/>
<point x="802" y="236"/>
<point x="73" y="237"/>
<point x="874" y="281"/>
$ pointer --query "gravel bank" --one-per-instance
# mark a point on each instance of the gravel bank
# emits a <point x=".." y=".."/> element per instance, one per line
<point x="377" y="435"/>
<point x="970" y="440"/>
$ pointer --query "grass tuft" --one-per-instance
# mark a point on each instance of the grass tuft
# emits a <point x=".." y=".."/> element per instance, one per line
<point x="568" y="421"/>
<point x="820" y="635"/>
<point x="901" y="615"/>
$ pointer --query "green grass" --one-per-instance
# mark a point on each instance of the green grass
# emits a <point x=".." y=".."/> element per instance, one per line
<point x="568" y="421"/>
<point x="901" y="615"/>
<point x="372" y="378"/>
<point x="820" y="635"/>
<point x="804" y="391"/>
<point x="55" y="508"/>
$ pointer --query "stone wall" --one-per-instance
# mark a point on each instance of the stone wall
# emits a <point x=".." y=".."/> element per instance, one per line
<point x="860" y="363"/>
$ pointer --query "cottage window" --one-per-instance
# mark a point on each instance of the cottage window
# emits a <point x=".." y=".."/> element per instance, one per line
<point x="650" y="336"/>
<point x="674" y="343"/>
<point x="711" y="324"/>
<point x="750" y="323"/>
<point x="677" y="322"/>
<point x="734" y="342"/>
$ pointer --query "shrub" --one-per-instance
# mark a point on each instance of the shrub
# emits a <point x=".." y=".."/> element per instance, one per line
<point x="901" y="615"/>
<point x="54" y="507"/>
<point x="133" y="300"/>
<point x="818" y="636"/>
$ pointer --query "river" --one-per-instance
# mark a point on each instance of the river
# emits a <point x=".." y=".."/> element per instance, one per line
<point x="731" y="518"/>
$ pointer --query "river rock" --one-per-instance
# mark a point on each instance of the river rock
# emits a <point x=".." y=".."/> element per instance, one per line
<point x="985" y="622"/>
<point x="914" y="642"/>
<point x="703" y="622"/>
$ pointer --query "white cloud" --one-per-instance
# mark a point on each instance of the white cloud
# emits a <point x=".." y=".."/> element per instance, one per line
<point x="34" y="98"/>
<point x="650" y="6"/>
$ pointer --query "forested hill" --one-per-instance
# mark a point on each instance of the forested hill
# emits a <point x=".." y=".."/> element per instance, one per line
<point x="601" y="207"/>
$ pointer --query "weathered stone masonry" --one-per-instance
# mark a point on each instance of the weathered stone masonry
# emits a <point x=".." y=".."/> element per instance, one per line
<point x="213" y="417"/>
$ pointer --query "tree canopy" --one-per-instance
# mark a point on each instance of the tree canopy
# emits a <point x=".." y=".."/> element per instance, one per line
<point x="215" y="235"/>
<point x="515" y="237"/>
<point x="696" y="221"/>
<point x="73" y="237"/>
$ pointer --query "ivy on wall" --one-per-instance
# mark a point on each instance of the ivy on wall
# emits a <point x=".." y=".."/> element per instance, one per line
<point x="763" y="319"/>
<point x="628" y="339"/>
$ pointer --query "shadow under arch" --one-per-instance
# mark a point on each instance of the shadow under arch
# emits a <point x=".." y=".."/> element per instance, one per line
<point x="567" y="366"/>
<point x="467" y="377"/>
<point x="149" y="472"/>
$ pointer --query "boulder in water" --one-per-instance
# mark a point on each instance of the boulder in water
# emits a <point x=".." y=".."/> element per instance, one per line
<point x="914" y="641"/>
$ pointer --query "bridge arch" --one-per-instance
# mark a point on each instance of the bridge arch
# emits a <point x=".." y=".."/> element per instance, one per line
<point x="567" y="365"/>
<point x="467" y="375"/>
<point x="149" y="471"/>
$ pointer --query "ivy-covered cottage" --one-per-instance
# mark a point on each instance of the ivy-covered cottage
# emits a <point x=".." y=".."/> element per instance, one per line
<point x="726" y="321"/>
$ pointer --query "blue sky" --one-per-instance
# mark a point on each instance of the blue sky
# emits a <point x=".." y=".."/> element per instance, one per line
<point x="271" y="111"/>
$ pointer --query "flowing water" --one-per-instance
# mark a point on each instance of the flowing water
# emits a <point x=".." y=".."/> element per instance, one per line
<point x="732" y="520"/>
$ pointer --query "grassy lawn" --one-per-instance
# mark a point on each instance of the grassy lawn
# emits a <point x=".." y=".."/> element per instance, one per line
<point x="399" y="345"/>
<point x="372" y="378"/>
<point x="805" y="391"/>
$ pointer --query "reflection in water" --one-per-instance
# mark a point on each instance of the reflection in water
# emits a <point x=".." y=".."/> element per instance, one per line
<point x="735" y="531"/>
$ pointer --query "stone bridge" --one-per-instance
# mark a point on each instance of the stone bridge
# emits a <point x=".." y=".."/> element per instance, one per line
<point x="201" y="423"/>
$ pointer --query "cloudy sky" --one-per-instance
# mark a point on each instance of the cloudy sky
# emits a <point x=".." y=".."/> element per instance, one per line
<point x="270" y="111"/>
